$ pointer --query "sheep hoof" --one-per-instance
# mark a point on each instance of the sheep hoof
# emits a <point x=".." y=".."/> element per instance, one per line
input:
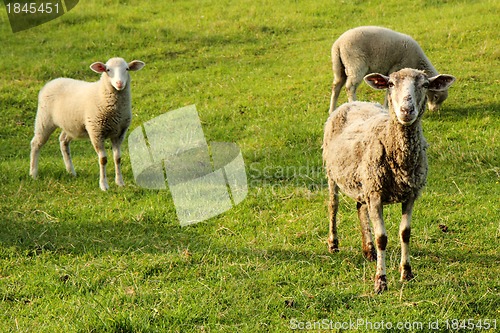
<point x="333" y="245"/>
<point x="406" y="274"/>
<point x="380" y="284"/>
<point x="71" y="170"/>
<point x="370" y="253"/>
<point x="104" y="186"/>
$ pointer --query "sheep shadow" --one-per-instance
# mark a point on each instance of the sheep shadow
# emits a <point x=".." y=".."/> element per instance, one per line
<point x="90" y="240"/>
<point x="32" y="238"/>
<point x="455" y="114"/>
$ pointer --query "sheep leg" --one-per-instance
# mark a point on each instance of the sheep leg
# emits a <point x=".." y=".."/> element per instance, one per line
<point x="351" y="87"/>
<point x="338" y="82"/>
<point x="333" y="205"/>
<point x="375" y="209"/>
<point x="98" y="144"/>
<point x="354" y="77"/>
<point x="117" y="156"/>
<point x="366" y="234"/>
<point x="64" y="142"/>
<point x="42" y="134"/>
<point x="405" y="232"/>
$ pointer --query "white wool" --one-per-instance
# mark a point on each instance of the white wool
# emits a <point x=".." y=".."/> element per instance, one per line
<point x="96" y="110"/>
<point x="370" y="49"/>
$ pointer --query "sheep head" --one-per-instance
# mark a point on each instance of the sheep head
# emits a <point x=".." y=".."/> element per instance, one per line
<point x="407" y="91"/>
<point x="116" y="69"/>
<point x="436" y="98"/>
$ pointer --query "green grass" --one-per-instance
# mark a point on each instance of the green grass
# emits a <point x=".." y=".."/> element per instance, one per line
<point x="75" y="259"/>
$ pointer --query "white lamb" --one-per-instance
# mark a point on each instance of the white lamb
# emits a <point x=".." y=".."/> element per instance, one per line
<point x="95" y="110"/>
<point x="378" y="156"/>
<point x="370" y="49"/>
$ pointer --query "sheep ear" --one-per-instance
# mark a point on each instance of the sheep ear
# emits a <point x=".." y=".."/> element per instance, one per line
<point x="98" y="67"/>
<point x="135" y="65"/>
<point x="377" y="81"/>
<point x="441" y="82"/>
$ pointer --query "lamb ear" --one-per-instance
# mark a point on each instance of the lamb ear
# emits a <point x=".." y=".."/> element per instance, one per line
<point x="377" y="81"/>
<point x="98" y="67"/>
<point x="440" y="82"/>
<point x="135" y="65"/>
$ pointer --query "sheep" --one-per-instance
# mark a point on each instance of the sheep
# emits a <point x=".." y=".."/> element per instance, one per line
<point x="370" y="49"/>
<point x="95" y="110"/>
<point x="377" y="157"/>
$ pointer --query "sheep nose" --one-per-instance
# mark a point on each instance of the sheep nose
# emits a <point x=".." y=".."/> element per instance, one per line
<point x="119" y="84"/>
<point x="407" y="99"/>
<point x="406" y="110"/>
<point x="433" y="107"/>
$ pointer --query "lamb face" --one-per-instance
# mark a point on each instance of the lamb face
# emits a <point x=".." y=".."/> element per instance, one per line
<point x="116" y="70"/>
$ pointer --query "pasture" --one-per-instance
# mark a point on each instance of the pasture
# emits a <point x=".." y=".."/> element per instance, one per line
<point x="76" y="259"/>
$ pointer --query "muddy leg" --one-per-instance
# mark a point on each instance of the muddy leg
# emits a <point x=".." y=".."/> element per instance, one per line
<point x="366" y="234"/>
<point x="333" y="205"/>
<point x="405" y="232"/>
<point x="376" y="215"/>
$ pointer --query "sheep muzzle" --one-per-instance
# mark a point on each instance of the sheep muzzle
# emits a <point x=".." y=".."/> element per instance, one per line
<point x="407" y="114"/>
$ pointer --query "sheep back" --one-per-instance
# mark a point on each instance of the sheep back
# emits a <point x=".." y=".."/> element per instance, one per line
<point x="79" y="107"/>
<point x="380" y="49"/>
<point x="63" y="102"/>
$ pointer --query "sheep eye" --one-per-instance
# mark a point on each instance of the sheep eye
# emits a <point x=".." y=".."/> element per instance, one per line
<point x="425" y="85"/>
<point x="108" y="70"/>
<point x="390" y="84"/>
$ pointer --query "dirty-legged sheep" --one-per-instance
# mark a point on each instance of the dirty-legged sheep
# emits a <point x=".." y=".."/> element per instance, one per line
<point x="378" y="156"/>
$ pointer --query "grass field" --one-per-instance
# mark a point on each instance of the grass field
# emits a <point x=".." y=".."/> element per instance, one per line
<point x="76" y="259"/>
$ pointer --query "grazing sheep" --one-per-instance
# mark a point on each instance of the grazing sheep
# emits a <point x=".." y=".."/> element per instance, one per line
<point x="95" y="110"/>
<point x="378" y="157"/>
<point x="364" y="50"/>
